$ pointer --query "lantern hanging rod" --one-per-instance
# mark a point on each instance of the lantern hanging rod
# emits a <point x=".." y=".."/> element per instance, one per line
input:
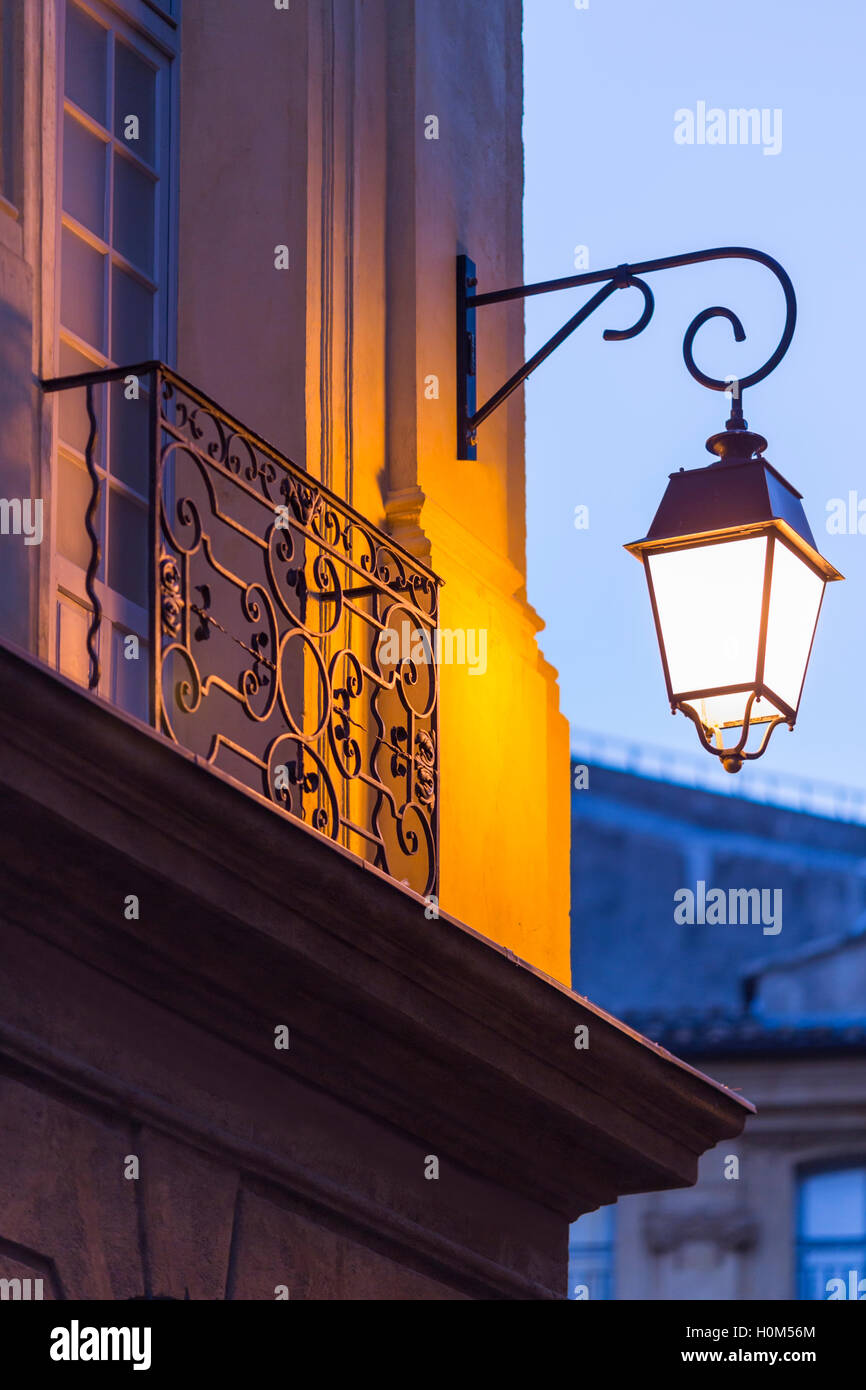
<point x="615" y="278"/>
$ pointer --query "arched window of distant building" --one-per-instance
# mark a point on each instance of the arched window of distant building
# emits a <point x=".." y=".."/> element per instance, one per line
<point x="831" y="1229"/>
<point x="591" y="1254"/>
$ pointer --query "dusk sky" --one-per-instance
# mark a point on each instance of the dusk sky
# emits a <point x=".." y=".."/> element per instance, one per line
<point x="607" y="422"/>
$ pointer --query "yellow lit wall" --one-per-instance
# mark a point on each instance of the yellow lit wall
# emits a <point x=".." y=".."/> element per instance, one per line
<point x="504" y="744"/>
<point x="375" y="214"/>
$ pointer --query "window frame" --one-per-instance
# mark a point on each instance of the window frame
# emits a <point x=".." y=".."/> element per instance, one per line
<point x="12" y="50"/>
<point x="846" y="1163"/>
<point x="145" y="27"/>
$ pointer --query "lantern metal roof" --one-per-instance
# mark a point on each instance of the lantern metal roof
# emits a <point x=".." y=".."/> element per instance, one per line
<point x="736" y="495"/>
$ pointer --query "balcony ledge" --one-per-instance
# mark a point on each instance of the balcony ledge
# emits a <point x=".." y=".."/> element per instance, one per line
<point x="418" y="1028"/>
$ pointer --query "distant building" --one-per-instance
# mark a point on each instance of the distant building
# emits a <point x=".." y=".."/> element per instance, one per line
<point x="775" y="1009"/>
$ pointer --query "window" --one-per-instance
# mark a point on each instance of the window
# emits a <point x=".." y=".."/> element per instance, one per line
<point x="114" y="296"/>
<point x="10" y="97"/>
<point x="591" y="1255"/>
<point x="831" y="1229"/>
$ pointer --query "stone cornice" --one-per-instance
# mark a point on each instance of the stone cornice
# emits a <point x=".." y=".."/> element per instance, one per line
<point x="425" y="1025"/>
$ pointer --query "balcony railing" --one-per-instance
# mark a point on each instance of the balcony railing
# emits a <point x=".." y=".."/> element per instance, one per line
<point x="273" y="606"/>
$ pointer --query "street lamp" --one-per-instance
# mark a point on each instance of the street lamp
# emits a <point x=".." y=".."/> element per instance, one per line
<point x="735" y="579"/>
<point x="736" y="584"/>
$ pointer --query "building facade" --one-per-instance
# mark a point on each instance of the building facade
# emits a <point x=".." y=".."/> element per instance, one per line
<point x="293" y="257"/>
<point x="772" y="1000"/>
<point x="285" y="1007"/>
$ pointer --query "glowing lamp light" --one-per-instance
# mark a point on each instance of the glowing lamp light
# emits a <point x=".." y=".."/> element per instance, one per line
<point x="736" y="584"/>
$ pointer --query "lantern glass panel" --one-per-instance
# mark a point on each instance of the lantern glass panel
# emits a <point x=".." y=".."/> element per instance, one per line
<point x="795" y="599"/>
<point x="709" y="599"/>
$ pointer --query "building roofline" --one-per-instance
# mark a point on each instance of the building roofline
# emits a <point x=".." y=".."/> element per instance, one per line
<point x="672" y="767"/>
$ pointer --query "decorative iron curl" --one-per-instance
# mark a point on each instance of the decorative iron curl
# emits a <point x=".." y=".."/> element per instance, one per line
<point x="628" y="275"/>
<point x="733" y="758"/>
<point x="717" y="311"/>
<point x="618" y="335"/>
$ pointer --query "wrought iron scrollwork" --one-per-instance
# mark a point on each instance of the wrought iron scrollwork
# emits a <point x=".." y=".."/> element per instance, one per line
<point x="732" y="758"/>
<point x="275" y="597"/>
<point x="614" y="278"/>
<point x="271" y="599"/>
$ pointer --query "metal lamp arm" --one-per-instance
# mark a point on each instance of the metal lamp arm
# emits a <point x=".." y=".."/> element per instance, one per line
<point x="614" y="278"/>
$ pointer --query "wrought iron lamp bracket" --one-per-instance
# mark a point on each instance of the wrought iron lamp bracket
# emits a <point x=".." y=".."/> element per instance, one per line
<point x="469" y="416"/>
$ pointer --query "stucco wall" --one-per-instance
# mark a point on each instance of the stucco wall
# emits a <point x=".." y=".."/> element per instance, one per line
<point x="307" y="128"/>
<point x="504" y="757"/>
<point x="243" y="192"/>
<point x="333" y="360"/>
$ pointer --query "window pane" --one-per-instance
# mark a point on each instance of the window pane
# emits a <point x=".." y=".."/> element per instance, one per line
<point x="133" y="213"/>
<point x="134" y="95"/>
<point x="73" y="623"/>
<point x="82" y="293"/>
<point x="820" y="1263"/>
<point x="834" y="1204"/>
<point x="130" y="440"/>
<point x="86" y="63"/>
<point x="131" y="319"/>
<point x="84" y="175"/>
<point x="72" y="503"/>
<point x="591" y="1255"/>
<point x="593" y="1228"/>
<point x="10" y="107"/>
<point x="73" y="422"/>
<point x="127" y="548"/>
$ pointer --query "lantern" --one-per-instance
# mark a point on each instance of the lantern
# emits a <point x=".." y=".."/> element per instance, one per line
<point x="736" y="584"/>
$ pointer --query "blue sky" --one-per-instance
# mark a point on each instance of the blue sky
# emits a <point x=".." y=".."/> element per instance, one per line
<point x="607" y="422"/>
